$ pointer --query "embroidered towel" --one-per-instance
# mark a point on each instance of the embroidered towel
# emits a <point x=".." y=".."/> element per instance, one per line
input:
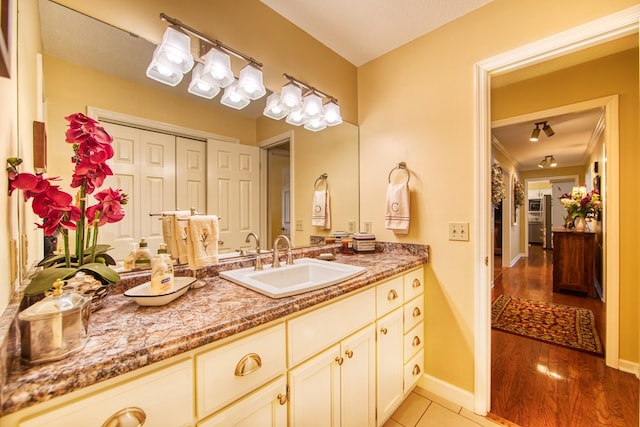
<point x="396" y="215"/>
<point x="321" y="215"/>
<point x="180" y="222"/>
<point x="202" y="240"/>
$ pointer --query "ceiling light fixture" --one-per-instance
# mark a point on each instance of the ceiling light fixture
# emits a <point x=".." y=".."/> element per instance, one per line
<point x="535" y="134"/>
<point x="172" y="59"/>
<point x="307" y="109"/>
<point x="548" y="159"/>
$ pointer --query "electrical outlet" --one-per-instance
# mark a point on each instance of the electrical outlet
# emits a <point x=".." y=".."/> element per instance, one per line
<point x="352" y="226"/>
<point x="459" y="231"/>
<point x="299" y="225"/>
<point x="368" y="227"/>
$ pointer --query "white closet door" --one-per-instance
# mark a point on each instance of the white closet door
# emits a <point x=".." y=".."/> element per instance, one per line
<point x="233" y="191"/>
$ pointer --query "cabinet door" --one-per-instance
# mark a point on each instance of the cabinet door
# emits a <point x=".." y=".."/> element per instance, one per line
<point x="390" y="364"/>
<point x="315" y="391"/>
<point x="358" y="388"/>
<point x="266" y="407"/>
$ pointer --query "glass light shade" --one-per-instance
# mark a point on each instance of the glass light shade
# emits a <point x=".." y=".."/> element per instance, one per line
<point x="332" y="113"/>
<point x="315" y="124"/>
<point x="312" y="106"/>
<point x="176" y="48"/>
<point x="250" y="83"/>
<point x="217" y="65"/>
<point x="231" y="97"/>
<point x="201" y="85"/>
<point x="291" y="97"/>
<point x="273" y="109"/>
<point x="295" y="118"/>
<point x="161" y="70"/>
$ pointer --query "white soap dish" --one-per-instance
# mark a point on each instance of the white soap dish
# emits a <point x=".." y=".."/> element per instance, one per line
<point x="143" y="296"/>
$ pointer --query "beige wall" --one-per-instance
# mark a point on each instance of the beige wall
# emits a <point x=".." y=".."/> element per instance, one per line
<point x="614" y="74"/>
<point x="417" y="104"/>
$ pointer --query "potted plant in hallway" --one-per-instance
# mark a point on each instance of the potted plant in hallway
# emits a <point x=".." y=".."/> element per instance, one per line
<point x="89" y="261"/>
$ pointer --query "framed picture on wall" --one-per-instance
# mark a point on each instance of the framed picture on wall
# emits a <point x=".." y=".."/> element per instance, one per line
<point x="596" y="183"/>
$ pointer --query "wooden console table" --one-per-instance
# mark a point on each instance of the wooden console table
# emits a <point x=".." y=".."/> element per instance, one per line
<point x="574" y="261"/>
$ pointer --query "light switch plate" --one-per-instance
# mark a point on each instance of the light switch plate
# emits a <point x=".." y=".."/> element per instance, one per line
<point x="352" y="226"/>
<point x="299" y="225"/>
<point x="459" y="231"/>
<point x="367" y="226"/>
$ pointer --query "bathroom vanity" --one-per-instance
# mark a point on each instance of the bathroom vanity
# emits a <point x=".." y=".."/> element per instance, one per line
<point x="223" y="355"/>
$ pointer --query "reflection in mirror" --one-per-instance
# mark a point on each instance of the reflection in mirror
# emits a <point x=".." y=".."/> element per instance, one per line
<point x="101" y="69"/>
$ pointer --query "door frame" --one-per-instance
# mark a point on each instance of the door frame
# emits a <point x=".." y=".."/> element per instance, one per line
<point x="608" y="28"/>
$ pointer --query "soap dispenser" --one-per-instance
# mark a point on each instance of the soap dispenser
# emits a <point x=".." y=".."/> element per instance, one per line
<point x="143" y="256"/>
<point x="161" y="272"/>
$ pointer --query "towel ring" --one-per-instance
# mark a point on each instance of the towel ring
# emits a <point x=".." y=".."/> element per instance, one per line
<point x="402" y="166"/>
<point x="322" y="179"/>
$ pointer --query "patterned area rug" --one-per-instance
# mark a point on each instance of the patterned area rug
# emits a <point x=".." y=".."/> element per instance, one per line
<point x="554" y="323"/>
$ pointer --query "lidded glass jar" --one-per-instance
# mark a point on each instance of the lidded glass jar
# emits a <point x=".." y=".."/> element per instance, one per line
<point x="54" y="327"/>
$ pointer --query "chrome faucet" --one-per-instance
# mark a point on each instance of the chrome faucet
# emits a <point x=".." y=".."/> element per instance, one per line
<point x="258" y="259"/>
<point x="276" y="260"/>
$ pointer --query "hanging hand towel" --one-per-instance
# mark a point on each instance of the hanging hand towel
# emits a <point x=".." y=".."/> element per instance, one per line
<point x="168" y="218"/>
<point x="202" y="240"/>
<point x="396" y="216"/>
<point x="180" y="222"/>
<point x="321" y="215"/>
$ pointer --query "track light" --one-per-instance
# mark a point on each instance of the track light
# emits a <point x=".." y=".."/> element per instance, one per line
<point x="550" y="159"/>
<point x="547" y="130"/>
<point x="535" y="134"/>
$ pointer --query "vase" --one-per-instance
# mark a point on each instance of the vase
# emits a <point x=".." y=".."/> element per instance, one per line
<point x="86" y="284"/>
<point x="580" y="224"/>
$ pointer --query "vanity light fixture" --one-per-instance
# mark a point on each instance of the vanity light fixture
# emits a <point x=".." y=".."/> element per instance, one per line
<point x="307" y="109"/>
<point x="172" y="59"/>
<point x="535" y="134"/>
<point x="550" y="159"/>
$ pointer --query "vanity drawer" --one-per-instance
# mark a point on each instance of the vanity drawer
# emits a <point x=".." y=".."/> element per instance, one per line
<point x="413" y="284"/>
<point x="413" y="371"/>
<point x="413" y="313"/>
<point x="389" y="296"/>
<point x="313" y="332"/>
<point x="413" y="341"/>
<point x="227" y="373"/>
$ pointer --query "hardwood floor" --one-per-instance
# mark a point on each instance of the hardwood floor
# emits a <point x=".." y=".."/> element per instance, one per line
<point x="539" y="384"/>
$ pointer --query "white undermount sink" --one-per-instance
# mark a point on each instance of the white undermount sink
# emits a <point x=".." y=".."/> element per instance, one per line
<point x="306" y="274"/>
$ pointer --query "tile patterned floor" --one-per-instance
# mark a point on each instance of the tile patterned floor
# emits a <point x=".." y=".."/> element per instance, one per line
<point x="421" y="409"/>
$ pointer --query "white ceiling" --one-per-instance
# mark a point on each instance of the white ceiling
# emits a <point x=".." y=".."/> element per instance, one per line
<point x="362" y="30"/>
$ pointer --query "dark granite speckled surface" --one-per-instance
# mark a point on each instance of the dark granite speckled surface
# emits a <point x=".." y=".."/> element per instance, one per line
<point x="125" y="336"/>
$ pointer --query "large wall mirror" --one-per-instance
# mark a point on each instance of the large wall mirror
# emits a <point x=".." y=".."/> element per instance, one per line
<point x="100" y="70"/>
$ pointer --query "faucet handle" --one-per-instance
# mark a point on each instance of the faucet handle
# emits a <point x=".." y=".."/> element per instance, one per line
<point x="276" y="258"/>
<point x="258" y="262"/>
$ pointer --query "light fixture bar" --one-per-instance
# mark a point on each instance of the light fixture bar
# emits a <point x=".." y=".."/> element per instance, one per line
<point x="309" y="87"/>
<point x="209" y="40"/>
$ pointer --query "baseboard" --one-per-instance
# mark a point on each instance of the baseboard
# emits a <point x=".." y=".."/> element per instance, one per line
<point x="516" y="259"/>
<point x="629" y="367"/>
<point x="447" y="391"/>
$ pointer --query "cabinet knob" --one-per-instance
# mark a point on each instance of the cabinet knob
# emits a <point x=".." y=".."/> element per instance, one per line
<point x="127" y="417"/>
<point x="349" y="353"/>
<point x="416" y="341"/>
<point x="392" y="295"/>
<point x="248" y="364"/>
<point x="416" y="283"/>
<point x="383" y="331"/>
<point x="416" y="370"/>
<point x="416" y="312"/>
<point x="282" y="399"/>
<point x="339" y="360"/>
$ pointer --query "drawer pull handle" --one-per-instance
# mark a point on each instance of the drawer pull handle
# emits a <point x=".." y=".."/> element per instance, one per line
<point x="416" y="370"/>
<point x="383" y="331"/>
<point x="282" y="399"/>
<point x="349" y="353"/>
<point x="392" y="295"/>
<point x="248" y="364"/>
<point x="416" y="341"/>
<point x="339" y="360"/>
<point x="416" y="283"/>
<point x="416" y="312"/>
<point x="127" y="417"/>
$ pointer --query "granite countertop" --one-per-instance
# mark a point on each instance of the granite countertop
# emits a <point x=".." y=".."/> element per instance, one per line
<point x="124" y="336"/>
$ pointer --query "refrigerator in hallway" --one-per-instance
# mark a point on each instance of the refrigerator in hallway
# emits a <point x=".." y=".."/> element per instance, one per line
<point x="547" y="222"/>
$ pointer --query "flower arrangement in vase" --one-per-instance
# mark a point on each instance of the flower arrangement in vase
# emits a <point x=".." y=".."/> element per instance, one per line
<point x="60" y="213"/>
<point x="581" y="206"/>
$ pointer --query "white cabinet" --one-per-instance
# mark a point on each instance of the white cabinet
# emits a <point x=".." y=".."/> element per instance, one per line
<point x="336" y="387"/>
<point x="266" y="407"/>
<point x="165" y="397"/>
<point x="390" y="364"/>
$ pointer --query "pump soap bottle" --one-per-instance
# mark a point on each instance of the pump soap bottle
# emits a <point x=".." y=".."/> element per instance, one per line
<point x="143" y="256"/>
<point x="161" y="272"/>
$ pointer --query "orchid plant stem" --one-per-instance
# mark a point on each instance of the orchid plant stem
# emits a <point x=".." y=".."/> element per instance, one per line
<point x="80" y="225"/>
<point x="94" y="241"/>
<point x="65" y="242"/>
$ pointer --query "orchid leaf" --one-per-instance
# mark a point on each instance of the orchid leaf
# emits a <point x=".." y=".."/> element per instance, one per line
<point x="101" y="272"/>
<point x="42" y="280"/>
